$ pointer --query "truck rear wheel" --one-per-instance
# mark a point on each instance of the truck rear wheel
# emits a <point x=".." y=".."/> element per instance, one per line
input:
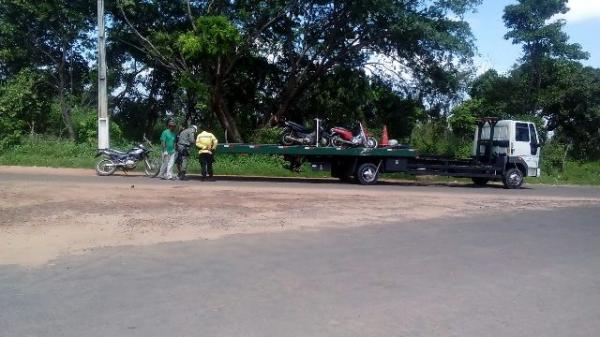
<point x="367" y="174"/>
<point x="513" y="178"/>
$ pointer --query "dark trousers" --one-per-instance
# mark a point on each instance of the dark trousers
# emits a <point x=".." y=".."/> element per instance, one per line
<point x="206" y="164"/>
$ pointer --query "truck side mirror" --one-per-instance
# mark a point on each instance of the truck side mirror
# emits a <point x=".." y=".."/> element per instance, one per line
<point x="534" y="148"/>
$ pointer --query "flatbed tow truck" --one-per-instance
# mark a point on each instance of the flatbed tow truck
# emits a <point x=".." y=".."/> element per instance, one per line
<point x="503" y="150"/>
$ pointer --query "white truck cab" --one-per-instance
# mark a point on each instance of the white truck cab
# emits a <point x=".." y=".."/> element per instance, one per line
<point x="517" y="141"/>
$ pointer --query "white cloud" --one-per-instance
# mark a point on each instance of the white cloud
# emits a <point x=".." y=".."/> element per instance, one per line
<point x="582" y="10"/>
<point x="483" y="64"/>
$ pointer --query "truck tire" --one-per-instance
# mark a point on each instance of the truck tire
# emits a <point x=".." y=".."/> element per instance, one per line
<point x="512" y="178"/>
<point x="367" y="174"/>
<point x="480" y="181"/>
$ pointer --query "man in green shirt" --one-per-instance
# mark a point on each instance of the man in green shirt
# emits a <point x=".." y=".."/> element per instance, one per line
<point x="167" y="140"/>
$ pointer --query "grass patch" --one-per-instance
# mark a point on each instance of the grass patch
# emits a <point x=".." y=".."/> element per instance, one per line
<point x="54" y="152"/>
<point x="49" y="152"/>
<point x="574" y="173"/>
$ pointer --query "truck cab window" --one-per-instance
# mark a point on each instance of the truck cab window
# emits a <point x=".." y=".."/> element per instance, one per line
<point x="522" y="132"/>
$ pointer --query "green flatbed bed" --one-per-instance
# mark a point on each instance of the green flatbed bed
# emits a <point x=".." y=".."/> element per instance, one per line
<point x="299" y="150"/>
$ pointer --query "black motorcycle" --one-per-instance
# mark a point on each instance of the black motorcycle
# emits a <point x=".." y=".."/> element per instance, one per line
<point x="296" y="134"/>
<point x="115" y="159"/>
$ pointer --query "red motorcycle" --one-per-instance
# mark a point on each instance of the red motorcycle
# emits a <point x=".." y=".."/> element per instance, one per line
<point x="341" y="137"/>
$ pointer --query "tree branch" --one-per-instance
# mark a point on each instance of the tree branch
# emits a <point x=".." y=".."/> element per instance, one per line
<point x="152" y="49"/>
<point x="189" y="13"/>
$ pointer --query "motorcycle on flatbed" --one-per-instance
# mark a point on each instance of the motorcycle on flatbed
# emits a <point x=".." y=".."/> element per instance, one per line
<point x="342" y="137"/>
<point x="296" y="134"/>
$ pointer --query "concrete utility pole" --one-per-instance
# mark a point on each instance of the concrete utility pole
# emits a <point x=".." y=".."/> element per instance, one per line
<point x="103" y="123"/>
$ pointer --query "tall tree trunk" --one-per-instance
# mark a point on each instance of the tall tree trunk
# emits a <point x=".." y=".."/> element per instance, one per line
<point x="287" y="97"/>
<point x="293" y="89"/>
<point x="64" y="109"/>
<point x="223" y="114"/>
<point x="191" y="115"/>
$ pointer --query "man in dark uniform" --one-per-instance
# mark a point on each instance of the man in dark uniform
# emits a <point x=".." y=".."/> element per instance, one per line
<point x="185" y="139"/>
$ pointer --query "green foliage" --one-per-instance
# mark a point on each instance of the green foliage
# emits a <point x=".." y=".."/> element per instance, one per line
<point x="262" y="61"/>
<point x="86" y="129"/>
<point x="23" y="106"/>
<point x="573" y="173"/>
<point x="49" y="152"/>
<point x="464" y="118"/>
<point x="267" y="135"/>
<point x="530" y="24"/>
<point x="434" y="138"/>
<point x="554" y="158"/>
<point x="214" y="36"/>
<point x="571" y="101"/>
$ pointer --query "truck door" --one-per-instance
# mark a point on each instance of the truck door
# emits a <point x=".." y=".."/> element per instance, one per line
<point x="526" y="146"/>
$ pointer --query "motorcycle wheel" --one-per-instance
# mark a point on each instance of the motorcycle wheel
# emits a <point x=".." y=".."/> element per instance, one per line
<point x="151" y="167"/>
<point x="284" y="138"/>
<point x="105" y="167"/>
<point x="336" y="141"/>
<point x="372" y="143"/>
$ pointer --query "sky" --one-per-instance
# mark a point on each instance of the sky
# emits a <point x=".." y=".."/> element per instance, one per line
<point x="583" y="27"/>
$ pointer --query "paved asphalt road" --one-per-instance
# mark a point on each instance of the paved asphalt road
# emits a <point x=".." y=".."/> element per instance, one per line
<point x="528" y="274"/>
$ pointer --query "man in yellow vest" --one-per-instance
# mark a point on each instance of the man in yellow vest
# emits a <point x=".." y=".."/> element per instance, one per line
<point x="206" y="143"/>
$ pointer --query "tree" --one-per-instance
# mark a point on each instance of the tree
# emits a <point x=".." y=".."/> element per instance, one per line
<point x="24" y="104"/>
<point x="571" y="103"/>
<point x="530" y="23"/>
<point x="210" y="44"/>
<point x="51" y="37"/>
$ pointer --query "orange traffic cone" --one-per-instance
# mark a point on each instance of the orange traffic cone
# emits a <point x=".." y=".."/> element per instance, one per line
<point x="384" y="137"/>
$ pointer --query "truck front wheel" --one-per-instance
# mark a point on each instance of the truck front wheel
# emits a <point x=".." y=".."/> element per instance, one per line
<point x="513" y="178"/>
<point x="367" y="174"/>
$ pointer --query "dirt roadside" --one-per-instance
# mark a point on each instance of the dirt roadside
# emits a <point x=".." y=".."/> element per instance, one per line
<point x="42" y="221"/>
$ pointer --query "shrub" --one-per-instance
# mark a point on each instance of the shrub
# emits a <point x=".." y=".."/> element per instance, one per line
<point x="434" y="138"/>
<point x="86" y="129"/>
<point x="554" y="157"/>
<point x="268" y="135"/>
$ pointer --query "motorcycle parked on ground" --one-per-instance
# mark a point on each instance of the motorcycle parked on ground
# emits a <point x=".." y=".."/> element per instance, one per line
<point x="114" y="159"/>
<point x="342" y="137"/>
<point x="296" y="134"/>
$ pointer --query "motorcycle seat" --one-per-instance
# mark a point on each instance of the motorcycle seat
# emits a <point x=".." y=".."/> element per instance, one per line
<point x="117" y="152"/>
<point x="297" y="127"/>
